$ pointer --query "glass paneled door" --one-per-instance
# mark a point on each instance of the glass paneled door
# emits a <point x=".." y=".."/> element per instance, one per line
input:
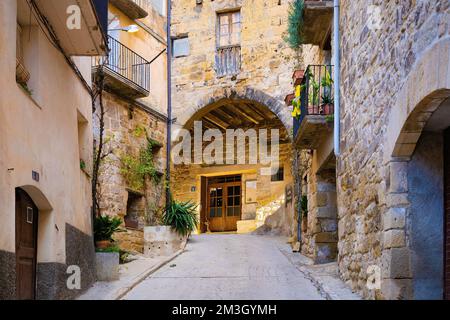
<point x="224" y="206"/>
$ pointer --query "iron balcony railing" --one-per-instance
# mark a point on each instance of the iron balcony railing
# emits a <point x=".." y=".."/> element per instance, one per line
<point x="317" y="93"/>
<point x="228" y="60"/>
<point x="126" y="63"/>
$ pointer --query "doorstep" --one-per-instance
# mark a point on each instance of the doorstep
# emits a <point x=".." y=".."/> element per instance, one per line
<point x="131" y="274"/>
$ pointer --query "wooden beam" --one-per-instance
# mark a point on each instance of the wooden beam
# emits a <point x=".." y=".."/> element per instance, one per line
<point x="216" y="121"/>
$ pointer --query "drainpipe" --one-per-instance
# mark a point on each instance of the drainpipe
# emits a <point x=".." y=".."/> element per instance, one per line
<point x="337" y="80"/>
<point x="169" y="100"/>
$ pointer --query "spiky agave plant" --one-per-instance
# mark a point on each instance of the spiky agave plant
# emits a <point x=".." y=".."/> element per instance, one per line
<point x="181" y="216"/>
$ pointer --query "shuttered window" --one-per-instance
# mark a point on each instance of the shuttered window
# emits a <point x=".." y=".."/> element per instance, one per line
<point x="228" y="58"/>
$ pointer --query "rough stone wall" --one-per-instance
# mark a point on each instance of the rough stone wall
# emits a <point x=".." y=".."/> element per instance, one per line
<point x="125" y="134"/>
<point x="267" y="62"/>
<point x="368" y="185"/>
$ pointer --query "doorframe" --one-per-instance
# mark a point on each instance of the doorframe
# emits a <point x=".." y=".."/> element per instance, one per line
<point x="35" y="234"/>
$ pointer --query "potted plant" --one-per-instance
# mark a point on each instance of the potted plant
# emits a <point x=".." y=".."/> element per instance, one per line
<point x="179" y="220"/>
<point x="298" y="76"/>
<point x="182" y="217"/>
<point x="289" y="98"/>
<point x="327" y="105"/>
<point x="104" y="228"/>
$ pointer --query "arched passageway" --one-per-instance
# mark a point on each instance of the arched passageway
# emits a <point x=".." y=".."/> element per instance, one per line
<point x="238" y="178"/>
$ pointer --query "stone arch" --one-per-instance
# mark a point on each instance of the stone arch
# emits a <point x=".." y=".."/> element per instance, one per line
<point x="411" y="239"/>
<point x="426" y="87"/>
<point x="208" y="102"/>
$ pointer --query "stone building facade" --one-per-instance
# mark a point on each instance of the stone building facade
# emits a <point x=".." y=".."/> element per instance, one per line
<point x="45" y="132"/>
<point x="135" y="121"/>
<point x="232" y="69"/>
<point x="391" y="175"/>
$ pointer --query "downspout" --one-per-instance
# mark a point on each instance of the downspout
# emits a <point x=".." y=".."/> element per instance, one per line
<point x="337" y="80"/>
<point x="169" y="101"/>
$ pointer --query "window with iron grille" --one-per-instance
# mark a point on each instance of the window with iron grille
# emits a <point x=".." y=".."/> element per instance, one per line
<point x="228" y="56"/>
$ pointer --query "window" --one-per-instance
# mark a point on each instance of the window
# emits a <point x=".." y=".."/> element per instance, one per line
<point x="22" y="74"/>
<point x="228" y="57"/>
<point x="180" y="47"/>
<point x="279" y="176"/>
<point x="229" y="29"/>
<point x="159" y="6"/>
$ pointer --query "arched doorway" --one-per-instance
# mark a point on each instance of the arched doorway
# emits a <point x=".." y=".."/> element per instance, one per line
<point x="236" y="195"/>
<point x="416" y="228"/>
<point x="26" y="245"/>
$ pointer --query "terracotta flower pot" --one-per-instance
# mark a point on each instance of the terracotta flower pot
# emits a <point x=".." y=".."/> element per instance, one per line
<point x="289" y="98"/>
<point x="298" y="76"/>
<point x="327" y="109"/>
<point x="103" y="244"/>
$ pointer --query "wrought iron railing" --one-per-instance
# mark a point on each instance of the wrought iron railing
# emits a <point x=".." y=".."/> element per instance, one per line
<point x="317" y="93"/>
<point x="125" y="63"/>
<point x="228" y="60"/>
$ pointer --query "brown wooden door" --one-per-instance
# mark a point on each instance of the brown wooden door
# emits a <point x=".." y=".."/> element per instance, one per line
<point x="26" y="246"/>
<point x="224" y="206"/>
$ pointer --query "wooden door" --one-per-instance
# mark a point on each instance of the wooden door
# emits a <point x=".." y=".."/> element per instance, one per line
<point x="216" y="208"/>
<point x="224" y="206"/>
<point x="233" y="196"/>
<point x="26" y="246"/>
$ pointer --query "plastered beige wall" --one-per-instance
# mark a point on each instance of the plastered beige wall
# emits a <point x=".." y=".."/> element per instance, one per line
<point x="39" y="133"/>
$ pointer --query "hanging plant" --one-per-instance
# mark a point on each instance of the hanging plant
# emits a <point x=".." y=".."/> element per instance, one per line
<point x="295" y="24"/>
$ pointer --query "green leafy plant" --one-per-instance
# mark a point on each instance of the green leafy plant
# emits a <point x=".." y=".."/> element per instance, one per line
<point x="181" y="216"/>
<point x="314" y="98"/>
<point x="329" y="118"/>
<point x="304" y="205"/>
<point x="105" y="227"/>
<point x="136" y="168"/>
<point x="82" y="164"/>
<point x="327" y="81"/>
<point x="295" y="24"/>
<point x="326" y="99"/>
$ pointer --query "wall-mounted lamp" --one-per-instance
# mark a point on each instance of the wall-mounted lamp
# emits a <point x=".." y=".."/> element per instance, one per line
<point x="130" y="29"/>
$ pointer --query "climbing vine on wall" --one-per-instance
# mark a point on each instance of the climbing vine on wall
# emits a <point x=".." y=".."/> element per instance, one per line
<point x="295" y="24"/>
<point x="136" y="168"/>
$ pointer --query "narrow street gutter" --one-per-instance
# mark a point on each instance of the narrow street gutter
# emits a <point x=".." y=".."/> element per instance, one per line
<point x="122" y="292"/>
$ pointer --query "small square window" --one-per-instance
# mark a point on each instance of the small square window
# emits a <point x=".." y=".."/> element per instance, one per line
<point x="279" y="176"/>
<point x="180" y="47"/>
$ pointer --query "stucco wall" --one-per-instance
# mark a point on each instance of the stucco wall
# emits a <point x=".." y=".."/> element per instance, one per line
<point x="40" y="133"/>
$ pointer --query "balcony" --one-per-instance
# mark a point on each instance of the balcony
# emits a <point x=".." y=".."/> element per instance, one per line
<point x="317" y="107"/>
<point x="318" y="17"/>
<point x="134" y="9"/>
<point x="87" y="39"/>
<point x="126" y="72"/>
